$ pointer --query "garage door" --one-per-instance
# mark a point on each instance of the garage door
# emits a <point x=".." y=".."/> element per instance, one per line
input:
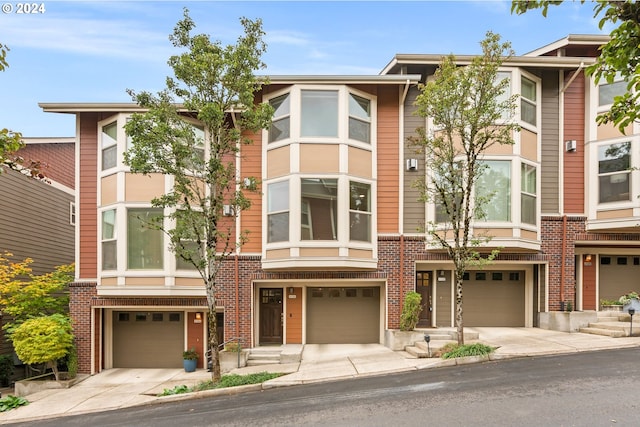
<point x="494" y="298"/>
<point x="148" y="339"/>
<point x="618" y="275"/>
<point x="343" y="315"/>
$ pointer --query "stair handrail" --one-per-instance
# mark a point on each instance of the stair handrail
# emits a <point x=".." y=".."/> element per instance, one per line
<point x="221" y="346"/>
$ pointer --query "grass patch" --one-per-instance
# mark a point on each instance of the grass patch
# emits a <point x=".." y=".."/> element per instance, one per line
<point x="11" y="402"/>
<point x="231" y="380"/>
<point x="455" y="350"/>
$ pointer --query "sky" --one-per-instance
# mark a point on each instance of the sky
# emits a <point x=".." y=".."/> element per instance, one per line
<point x="93" y="51"/>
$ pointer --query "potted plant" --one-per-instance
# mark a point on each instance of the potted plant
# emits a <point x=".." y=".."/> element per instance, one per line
<point x="610" y="305"/>
<point x="190" y="359"/>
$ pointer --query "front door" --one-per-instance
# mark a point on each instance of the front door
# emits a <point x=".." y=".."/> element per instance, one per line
<point x="270" y="316"/>
<point x="423" y="287"/>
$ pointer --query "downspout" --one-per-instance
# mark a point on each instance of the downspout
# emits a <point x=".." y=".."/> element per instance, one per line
<point x="237" y="280"/>
<point x="401" y="271"/>
<point x="562" y="260"/>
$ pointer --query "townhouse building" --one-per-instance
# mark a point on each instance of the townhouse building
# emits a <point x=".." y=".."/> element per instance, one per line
<point x="335" y="240"/>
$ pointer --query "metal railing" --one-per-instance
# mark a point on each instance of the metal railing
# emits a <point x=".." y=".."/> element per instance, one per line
<point x="221" y="346"/>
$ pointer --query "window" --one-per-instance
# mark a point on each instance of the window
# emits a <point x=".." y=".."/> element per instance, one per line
<point x="528" y="101"/>
<point x="528" y="194"/>
<point x="608" y="91"/>
<point x="189" y="243"/>
<point x="109" y="242"/>
<point x="319" y="209"/>
<point x="319" y="113"/>
<point x="278" y="212"/>
<point x="144" y="243"/>
<point x="506" y="94"/>
<point x="359" y="118"/>
<point x="494" y="188"/>
<point x="109" y="145"/>
<point x="281" y="121"/>
<point x="360" y="211"/>
<point x="614" y="171"/>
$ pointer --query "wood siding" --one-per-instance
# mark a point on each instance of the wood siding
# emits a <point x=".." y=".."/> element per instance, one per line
<point x="574" y="111"/>
<point x="251" y="219"/>
<point x="87" y="267"/>
<point x="34" y="222"/>
<point x="414" y="210"/>
<point x="58" y="160"/>
<point x="388" y="159"/>
<point x="550" y="173"/>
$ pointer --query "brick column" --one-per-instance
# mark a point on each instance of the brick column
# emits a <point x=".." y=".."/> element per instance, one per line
<point x="81" y="294"/>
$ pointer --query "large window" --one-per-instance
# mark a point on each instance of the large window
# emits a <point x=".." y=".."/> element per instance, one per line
<point x="506" y="94"/>
<point x="528" y="194"/>
<point x="280" y="123"/>
<point x="278" y="212"/>
<point x="109" y="145"/>
<point x="109" y="242"/>
<point x="528" y="101"/>
<point x="360" y="211"/>
<point x="190" y="244"/>
<point x="614" y="161"/>
<point x="359" y="118"/>
<point x="319" y="113"/>
<point x="319" y="207"/>
<point x="608" y="91"/>
<point x="144" y="243"/>
<point x="494" y="188"/>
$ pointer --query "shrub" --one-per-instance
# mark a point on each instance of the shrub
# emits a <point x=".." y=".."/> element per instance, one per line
<point x="232" y="380"/>
<point x="11" y="402"/>
<point x="468" y="350"/>
<point x="179" y="389"/>
<point x="234" y="347"/>
<point x="410" y="311"/>
<point x="6" y="369"/>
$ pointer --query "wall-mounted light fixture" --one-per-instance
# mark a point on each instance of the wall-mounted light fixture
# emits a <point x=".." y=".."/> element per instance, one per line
<point x="412" y="164"/>
<point x="587" y="258"/>
<point x="291" y="291"/>
<point x="570" y="145"/>
<point x="198" y="318"/>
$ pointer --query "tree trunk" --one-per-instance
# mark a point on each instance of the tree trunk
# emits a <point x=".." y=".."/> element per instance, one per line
<point x="213" y="341"/>
<point x="459" y="322"/>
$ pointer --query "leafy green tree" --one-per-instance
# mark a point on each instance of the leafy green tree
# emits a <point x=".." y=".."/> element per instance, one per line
<point x="469" y="114"/>
<point x="620" y="56"/>
<point x="44" y="339"/>
<point x="24" y="295"/>
<point x="217" y="87"/>
<point x="10" y="141"/>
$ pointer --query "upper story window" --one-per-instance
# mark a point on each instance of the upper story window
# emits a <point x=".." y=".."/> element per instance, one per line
<point x="360" y="211"/>
<point x="506" y="93"/>
<point x="144" y="243"/>
<point x="359" y="118"/>
<point x="528" y="104"/>
<point x="319" y="209"/>
<point x="494" y="187"/>
<point x="281" y="121"/>
<point x="109" y="145"/>
<point x="319" y="113"/>
<point x="278" y="212"/>
<point x="109" y="242"/>
<point x="614" y="172"/>
<point x="608" y="91"/>
<point x="528" y="211"/>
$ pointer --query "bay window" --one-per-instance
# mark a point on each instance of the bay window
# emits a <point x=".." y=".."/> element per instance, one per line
<point x="319" y="207"/>
<point x="278" y="212"/>
<point x="319" y="113"/>
<point x="109" y="242"/>
<point x="109" y="145"/>
<point x="281" y="121"/>
<point x="359" y="118"/>
<point x="614" y="172"/>
<point x="494" y="188"/>
<point x="528" y="105"/>
<point x="528" y="194"/>
<point x="360" y="211"/>
<point x="144" y="242"/>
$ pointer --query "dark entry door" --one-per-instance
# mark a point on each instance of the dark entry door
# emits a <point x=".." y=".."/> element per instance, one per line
<point x="423" y="287"/>
<point x="270" y="316"/>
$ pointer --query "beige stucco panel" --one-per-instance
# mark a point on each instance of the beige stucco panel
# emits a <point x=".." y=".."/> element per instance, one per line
<point x="319" y="252"/>
<point x="529" y="145"/>
<point x="319" y="158"/>
<point x="144" y="281"/>
<point x="143" y="188"/>
<point x="360" y="163"/>
<point x="109" y="281"/>
<point x="278" y="162"/>
<point x="494" y="232"/>
<point x="610" y="130"/>
<point x="620" y="213"/>
<point x="278" y="253"/>
<point x="108" y="190"/>
<point x="360" y="253"/>
<point x="189" y="281"/>
<point x="528" y="234"/>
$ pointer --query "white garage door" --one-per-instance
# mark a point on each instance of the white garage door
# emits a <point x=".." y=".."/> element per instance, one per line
<point x="343" y="315"/>
<point x="494" y="298"/>
<point x="148" y="339"/>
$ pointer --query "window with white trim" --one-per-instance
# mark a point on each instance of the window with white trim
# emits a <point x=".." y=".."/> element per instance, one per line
<point x="109" y="145"/>
<point x="608" y="91"/>
<point x="494" y="187"/>
<point x="360" y="211"/>
<point x="359" y="118"/>
<point x="319" y="209"/>
<point x="278" y="212"/>
<point x="144" y="241"/>
<point x="614" y="172"/>
<point x="281" y="121"/>
<point x="319" y="113"/>
<point x="109" y="241"/>
<point x="528" y="103"/>
<point x="528" y="211"/>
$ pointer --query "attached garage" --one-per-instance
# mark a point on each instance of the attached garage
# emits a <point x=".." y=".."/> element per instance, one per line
<point x="148" y="339"/>
<point x="343" y="315"/>
<point x="618" y="275"/>
<point x="494" y="298"/>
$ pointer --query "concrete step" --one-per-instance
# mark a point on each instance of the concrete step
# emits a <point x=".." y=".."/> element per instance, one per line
<point x="416" y="352"/>
<point x="262" y="362"/>
<point x="608" y="318"/>
<point x="264" y="356"/>
<point x="433" y="345"/>
<point x="613" y="333"/>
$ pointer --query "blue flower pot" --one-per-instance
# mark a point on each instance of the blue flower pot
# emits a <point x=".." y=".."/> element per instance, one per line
<point x="190" y="365"/>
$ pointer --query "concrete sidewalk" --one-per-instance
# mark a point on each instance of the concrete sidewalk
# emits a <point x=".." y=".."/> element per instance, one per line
<point x="119" y="388"/>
